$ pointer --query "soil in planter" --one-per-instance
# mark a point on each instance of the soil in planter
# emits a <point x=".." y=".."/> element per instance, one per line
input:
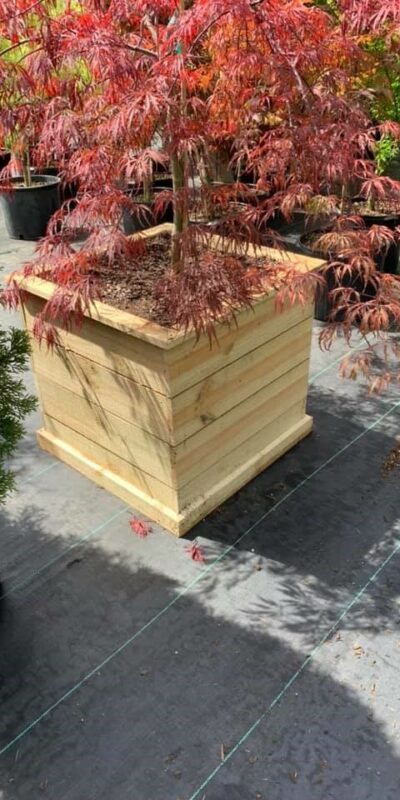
<point x="131" y="286"/>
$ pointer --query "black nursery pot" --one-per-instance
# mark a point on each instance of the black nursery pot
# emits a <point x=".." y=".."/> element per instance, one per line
<point x="68" y="191"/>
<point x="4" y="158"/>
<point x="162" y="181"/>
<point x="246" y="177"/>
<point x="389" y="260"/>
<point x="323" y="306"/>
<point x="253" y="196"/>
<point x="133" y="223"/>
<point x="27" y="210"/>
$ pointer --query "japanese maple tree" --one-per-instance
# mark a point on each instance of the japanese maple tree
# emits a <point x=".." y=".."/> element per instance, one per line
<point x="268" y="82"/>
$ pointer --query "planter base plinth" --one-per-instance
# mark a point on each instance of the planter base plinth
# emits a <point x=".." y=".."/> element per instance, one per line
<point x="177" y="523"/>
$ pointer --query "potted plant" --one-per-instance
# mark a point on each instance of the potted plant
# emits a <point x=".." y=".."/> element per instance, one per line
<point x="372" y="202"/>
<point x="28" y="200"/>
<point x="377" y="200"/>
<point x="132" y="394"/>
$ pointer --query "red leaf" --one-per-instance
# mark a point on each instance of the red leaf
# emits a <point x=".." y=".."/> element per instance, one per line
<point x="141" y="528"/>
<point x="195" y="552"/>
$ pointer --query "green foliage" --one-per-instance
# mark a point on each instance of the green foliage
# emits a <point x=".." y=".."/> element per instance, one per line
<point x="387" y="150"/>
<point x="387" y="105"/>
<point x="15" y="403"/>
<point x="384" y="80"/>
<point x="329" y="5"/>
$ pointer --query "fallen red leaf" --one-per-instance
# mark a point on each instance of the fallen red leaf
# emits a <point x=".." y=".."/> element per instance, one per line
<point x="195" y="552"/>
<point x="141" y="528"/>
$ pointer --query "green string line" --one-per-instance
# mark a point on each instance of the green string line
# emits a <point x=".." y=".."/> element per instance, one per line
<point x="205" y="571"/>
<point x="316" y="375"/>
<point x="295" y="675"/>
<point x="41" y="472"/>
<point x="21" y="584"/>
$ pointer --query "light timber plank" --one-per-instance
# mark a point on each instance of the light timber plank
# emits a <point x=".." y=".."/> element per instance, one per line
<point x="209" y="499"/>
<point x="140" y="500"/>
<point x="120" y="320"/>
<point x="248" y="452"/>
<point x="151" y="332"/>
<point x="175" y="521"/>
<point x="229" y="386"/>
<point x="133" y="402"/>
<point x="214" y="442"/>
<point x="171" y="373"/>
<point x="139" y="361"/>
<point x="129" y="442"/>
<point x="189" y="364"/>
<point x="146" y="485"/>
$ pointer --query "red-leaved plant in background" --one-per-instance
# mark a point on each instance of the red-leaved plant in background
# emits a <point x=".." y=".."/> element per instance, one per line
<point x="124" y="86"/>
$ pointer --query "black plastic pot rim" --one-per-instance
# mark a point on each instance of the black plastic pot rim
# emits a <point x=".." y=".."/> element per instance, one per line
<point x="316" y="253"/>
<point x="49" y="182"/>
<point x="371" y="213"/>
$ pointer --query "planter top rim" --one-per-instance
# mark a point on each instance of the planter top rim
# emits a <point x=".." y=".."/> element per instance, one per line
<point x="152" y="332"/>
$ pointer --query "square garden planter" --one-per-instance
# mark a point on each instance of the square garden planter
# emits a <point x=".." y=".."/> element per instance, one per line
<point x="170" y="425"/>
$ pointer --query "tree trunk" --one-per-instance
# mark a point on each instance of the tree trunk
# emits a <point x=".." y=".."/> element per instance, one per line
<point x="26" y="168"/>
<point x="147" y="189"/>
<point x="179" y="180"/>
<point x="179" y="183"/>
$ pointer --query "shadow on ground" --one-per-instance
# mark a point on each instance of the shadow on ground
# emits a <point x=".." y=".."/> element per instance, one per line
<point x="322" y="542"/>
<point x="150" y="723"/>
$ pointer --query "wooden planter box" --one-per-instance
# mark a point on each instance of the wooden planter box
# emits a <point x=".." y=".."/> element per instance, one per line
<point x="169" y="425"/>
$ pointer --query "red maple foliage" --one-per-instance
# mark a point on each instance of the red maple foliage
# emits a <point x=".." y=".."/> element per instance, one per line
<point x="113" y="90"/>
<point x="195" y="552"/>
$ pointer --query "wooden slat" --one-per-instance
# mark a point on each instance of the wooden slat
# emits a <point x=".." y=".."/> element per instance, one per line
<point x="246" y="461"/>
<point x="213" y="443"/>
<point x="141" y="500"/>
<point x="125" y="398"/>
<point x="139" y="361"/>
<point x="153" y="506"/>
<point x="174" y="466"/>
<point x="148" y="486"/>
<point x="118" y="319"/>
<point x="135" y="446"/>
<point x="149" y="331"/>
<point x="173" y="372"/>
<point x="226" y="388"/>
<point x="191" y="410"/>
<point x="188" y="364"/>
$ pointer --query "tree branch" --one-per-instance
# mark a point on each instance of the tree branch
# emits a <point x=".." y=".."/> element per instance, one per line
<point x="30" y="8"/>
<point x="216" y="19"/>
<point x="14" y="47"/>
<point x="143" y="50"/>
